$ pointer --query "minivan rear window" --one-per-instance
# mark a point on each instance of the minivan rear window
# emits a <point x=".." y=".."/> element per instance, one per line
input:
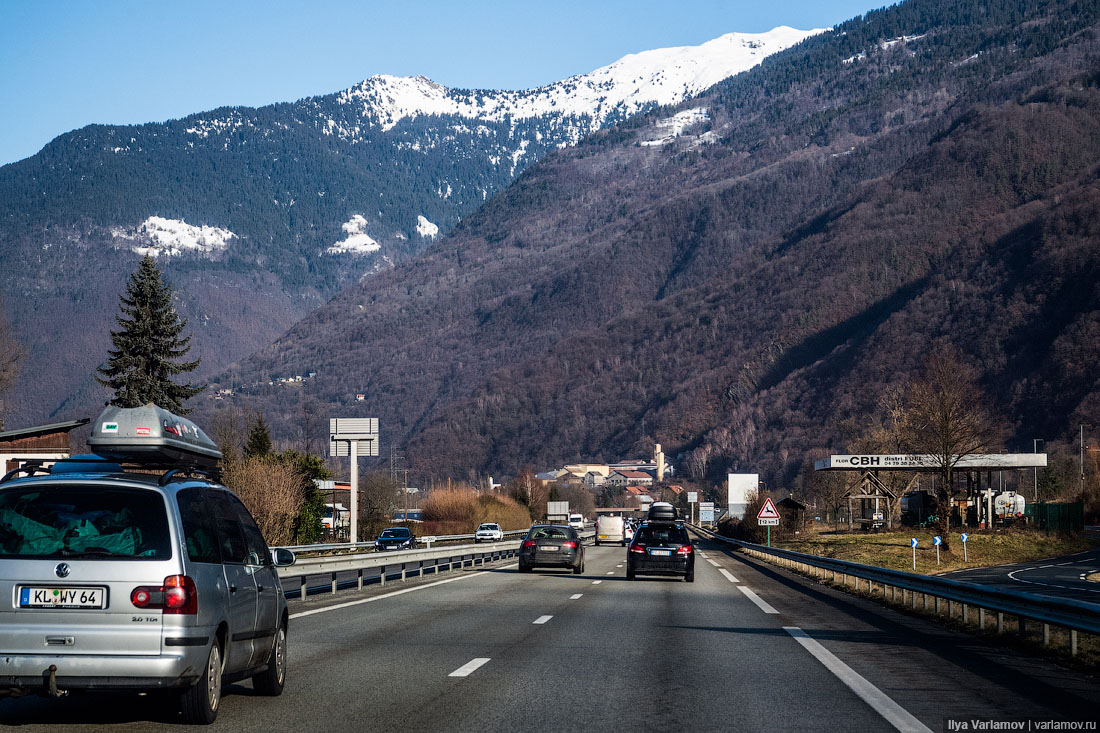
<point x="82" y="521"/>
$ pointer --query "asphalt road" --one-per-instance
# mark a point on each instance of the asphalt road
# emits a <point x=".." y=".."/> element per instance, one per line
<point x="745" y="647"/>
<point x="1063" y="577"/>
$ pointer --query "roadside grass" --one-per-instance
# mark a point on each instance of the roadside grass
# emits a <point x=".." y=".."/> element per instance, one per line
<point x="893" y="550"/>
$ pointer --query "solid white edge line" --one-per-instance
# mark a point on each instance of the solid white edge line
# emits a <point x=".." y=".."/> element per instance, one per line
<point x="542" y="619"/>
<point x="729" y="575"/>
<point x="879" y="701"/>
<point x="466" y="669"/>
<point x="760" y="602"/>
<point x="575" y="596"/>
<point x="300" y="614"/>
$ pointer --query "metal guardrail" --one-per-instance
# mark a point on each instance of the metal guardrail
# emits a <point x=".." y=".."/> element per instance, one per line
<point x="403" y="561"/>
<point x="1092" y="531"/>
<point x="400" y="561"/>
<point x="1067" y="613"/>
<point x="369" y="544"/>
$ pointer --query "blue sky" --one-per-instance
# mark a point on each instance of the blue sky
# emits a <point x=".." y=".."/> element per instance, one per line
<point x="66" y="64"/>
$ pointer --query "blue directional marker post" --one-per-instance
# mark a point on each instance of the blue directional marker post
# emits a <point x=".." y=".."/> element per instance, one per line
<point x="936" y="541"/>
<point x="913" y="542"/>
<point x="965" y="536"/>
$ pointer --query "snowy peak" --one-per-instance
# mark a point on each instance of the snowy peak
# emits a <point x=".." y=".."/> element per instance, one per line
<point x="661" y="76"/>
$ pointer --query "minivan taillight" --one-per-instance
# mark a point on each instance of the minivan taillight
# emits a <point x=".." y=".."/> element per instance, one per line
<point x="178" y="595"/>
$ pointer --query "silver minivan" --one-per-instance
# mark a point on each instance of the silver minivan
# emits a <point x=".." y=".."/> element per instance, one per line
<point x="113" y="579"/>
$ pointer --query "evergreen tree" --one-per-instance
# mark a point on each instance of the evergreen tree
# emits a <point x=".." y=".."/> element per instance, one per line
<point x="148" y="348"/>
<point x="259" y="439"/>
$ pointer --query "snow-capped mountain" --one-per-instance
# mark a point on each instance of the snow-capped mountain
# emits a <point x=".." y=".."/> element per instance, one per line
<point x="631" y="84"/>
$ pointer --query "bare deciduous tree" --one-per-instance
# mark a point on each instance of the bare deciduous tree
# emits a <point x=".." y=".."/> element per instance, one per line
<point x="272" y="491"/>
<point x="946" y="418"/>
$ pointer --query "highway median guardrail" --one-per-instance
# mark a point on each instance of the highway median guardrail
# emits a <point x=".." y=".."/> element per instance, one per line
<point x="349" y="569"/>
<point x="1073" y="615"/>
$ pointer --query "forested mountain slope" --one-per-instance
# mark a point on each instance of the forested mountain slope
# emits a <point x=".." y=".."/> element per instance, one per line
<point x="260" y="215"/>
<point x="735" y="277"/>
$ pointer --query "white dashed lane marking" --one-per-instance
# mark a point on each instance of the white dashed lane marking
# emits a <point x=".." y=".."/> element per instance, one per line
<point x="713" y="563"/>
<point x="575" y="596"/>
<point x="542" y="619"/>
<point x="760" y="602"/>
<point x="469" y="667"/>
<point x="729" y="577"/>
<point x="596" y="582"/>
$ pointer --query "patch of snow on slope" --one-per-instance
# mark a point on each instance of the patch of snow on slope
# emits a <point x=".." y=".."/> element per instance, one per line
<point x="662" y="76"/>
<point x="673" y="127"/>
<point x="172" y="237"/>
<point x="425" y="228"/>
<point x="357" y="240"/>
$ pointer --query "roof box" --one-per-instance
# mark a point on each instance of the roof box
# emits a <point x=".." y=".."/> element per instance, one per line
<point x="662" y="511"/>
<point x="152" y="436"/>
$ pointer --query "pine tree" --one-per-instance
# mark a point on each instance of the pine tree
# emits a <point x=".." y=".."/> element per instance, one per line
<point x="148" y="348"/>
<point x="259" y="439"/>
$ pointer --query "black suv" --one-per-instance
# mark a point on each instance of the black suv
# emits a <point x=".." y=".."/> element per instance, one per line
<point x="661" y="548"/>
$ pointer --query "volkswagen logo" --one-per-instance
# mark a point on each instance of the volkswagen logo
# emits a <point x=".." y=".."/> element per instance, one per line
<point x="62" y="570"/>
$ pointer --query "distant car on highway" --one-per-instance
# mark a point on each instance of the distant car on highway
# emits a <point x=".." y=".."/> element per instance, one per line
<point x="395" y="538"/>
<point x="576" y="521"/>
<point x="549" y="545"/>
<point x="488" y="532"/>
<point x="661" y="548"/>
<point x="610" y="529"/>
<point x="628" y="531"/>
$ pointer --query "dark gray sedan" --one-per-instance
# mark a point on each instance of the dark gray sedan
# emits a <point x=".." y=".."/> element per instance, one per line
<point x="551" y="546"/>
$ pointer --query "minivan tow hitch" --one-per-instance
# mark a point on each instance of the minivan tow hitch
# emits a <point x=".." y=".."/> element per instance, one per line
<point x="51" y="673"/>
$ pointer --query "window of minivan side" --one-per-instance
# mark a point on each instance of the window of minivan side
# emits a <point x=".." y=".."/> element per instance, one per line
<point x="230" y="536"/>
<point x="200" y="537"/>
<point x="253" y="537"/>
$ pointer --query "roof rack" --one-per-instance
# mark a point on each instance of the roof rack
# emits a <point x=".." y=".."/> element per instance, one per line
<point x="30" y="468"/>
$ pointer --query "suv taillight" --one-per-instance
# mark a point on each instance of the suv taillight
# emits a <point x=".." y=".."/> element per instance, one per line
<point x="685" y="550"/>
<point x="638" y="548"/>
<point x="178" y="595"/>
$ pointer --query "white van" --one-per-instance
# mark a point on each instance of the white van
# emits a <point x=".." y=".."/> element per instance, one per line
<point x="576" y="521"/>
<point x="610" y="529"/>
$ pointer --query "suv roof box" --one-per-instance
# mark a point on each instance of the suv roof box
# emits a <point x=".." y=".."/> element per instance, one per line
<point x="662" y="511"/>
<point x="152" y="436"/>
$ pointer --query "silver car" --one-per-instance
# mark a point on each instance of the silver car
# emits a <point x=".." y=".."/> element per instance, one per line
<point x="119" y="580"/>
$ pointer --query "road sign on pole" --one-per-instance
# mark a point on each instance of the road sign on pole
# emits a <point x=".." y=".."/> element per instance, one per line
<point x="768" y="516"/>
<point x="965" y="537"/>
<point x="913" y="542"/>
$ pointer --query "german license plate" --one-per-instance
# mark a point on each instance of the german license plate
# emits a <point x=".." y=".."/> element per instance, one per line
<point x="548" y="548"/>
<point x="40" y="597"/>
<point x="660" y="553"/>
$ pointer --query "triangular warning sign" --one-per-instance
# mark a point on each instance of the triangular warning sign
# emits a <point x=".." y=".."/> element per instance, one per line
<point x="768" y="511"/>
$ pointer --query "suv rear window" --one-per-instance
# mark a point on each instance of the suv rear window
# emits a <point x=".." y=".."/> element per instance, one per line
<point x="671" y="535"/>
<point x="86" y="521"/>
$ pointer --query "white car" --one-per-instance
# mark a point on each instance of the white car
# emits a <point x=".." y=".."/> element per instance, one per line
<point x="489" y="532"/>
